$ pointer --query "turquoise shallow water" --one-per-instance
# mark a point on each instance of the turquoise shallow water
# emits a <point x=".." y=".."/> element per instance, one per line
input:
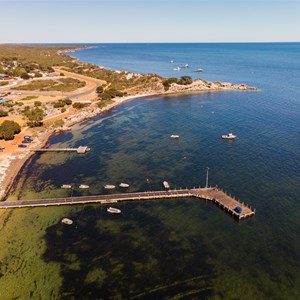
<point x="182" y="248"/>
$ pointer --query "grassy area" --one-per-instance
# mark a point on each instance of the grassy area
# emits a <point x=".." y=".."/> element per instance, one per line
<point x="29" y="98"/>
<point x="44" y="56"/>
<point x="61" y="85"/>
<point x="2" y="83"/>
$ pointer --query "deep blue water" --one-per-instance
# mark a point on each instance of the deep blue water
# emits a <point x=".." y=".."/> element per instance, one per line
<point x="255" y="259"/>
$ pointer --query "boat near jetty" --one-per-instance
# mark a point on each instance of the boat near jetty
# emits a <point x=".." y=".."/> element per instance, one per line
<point x="109" y="186"/>
<point x="229" y="136"/>
<point x="166" y="185"/>
<point x="123" y="185"/>
<point x="84" y="186"/>
<point x="66" y="186"/>
<point x="174" y="136"/>
<point x="67" y="221"/>
<point x="113" y="210"/>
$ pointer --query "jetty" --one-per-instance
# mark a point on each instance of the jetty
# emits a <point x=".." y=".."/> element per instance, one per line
<point x="79" y="150"/>
<point x="217" y="196"/>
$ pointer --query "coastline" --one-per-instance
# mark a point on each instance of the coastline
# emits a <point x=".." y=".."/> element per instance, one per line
<point x="11" y="164"/>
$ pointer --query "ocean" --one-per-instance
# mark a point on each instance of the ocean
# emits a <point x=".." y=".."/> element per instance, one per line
<point x="170" y="249"/>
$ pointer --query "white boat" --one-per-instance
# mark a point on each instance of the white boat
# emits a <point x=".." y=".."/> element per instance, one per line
<point x="177" y="69"/>
<point x="123" y="185"/>
<point x="66" y="186"/>
<point x="186" y="66"/>
<point x="67" y="221"/>
<point x="84" y="186"/>
<point x="199" y="70"/>
<point x="109" y="186"/>
<point x="229" y="136"/>
<point x="174" y="136"/>
<point x="113" y="210"/>
<point x="171" y="61"/>
<point x="166" y="185"/>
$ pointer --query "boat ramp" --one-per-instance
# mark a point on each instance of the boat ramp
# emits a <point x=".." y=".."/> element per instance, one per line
<point x="215" y="195"/>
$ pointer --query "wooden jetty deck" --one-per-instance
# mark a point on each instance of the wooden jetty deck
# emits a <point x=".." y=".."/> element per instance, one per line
<point x="217" y="196"/>
<point x="79" y="150"/>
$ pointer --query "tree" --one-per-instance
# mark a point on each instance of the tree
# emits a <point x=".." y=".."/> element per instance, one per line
<point x="34" y="116"/>
<point x="100" y="89"/>
<point x="8" y="129"/>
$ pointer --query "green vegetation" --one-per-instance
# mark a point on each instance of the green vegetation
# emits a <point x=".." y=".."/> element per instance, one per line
<point x="79" y="105"/>
<point x="8" y="129"/>
<point x="34" y="116"/>
<point x="62" y="103"/>
<point x="59" y="123"/>
<point x="31" y="58"/>
<point x="109" y="93"/>
<point x="29" y="98"/>
<point x="37" y="103"/>
<point x="61" y="85"/>
<point x="2" y="83"/>
<point x="3" y="113"/>
<point x="184" y="80"/>
<point x="104" y="103"/>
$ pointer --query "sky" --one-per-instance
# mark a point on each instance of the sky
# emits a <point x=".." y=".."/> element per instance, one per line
<point x="146" y="21"/>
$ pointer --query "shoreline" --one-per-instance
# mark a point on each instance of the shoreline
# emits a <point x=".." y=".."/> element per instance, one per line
<point x="15" y="162"/>
<point x="12" y="162"/>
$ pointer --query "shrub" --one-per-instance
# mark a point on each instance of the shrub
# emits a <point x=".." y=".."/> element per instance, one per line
<point x="79" y="105"/>
<point x="37" y="103"/>
<point x="3" y="113"/>
<point x="8" y="129"/>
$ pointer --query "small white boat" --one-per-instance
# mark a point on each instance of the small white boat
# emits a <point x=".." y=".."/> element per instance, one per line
<point x="67" y="221"/>
<point x="109" y="186"/>
<point x="166" y="185"/>
<point x="113" y="210"/>
<point x="84" y="186"/>
<point x="174" y="136"/>
<point x="229" y="136"/>
<point x="186" y="66"/>
<point x="177" y="69"/>
<point x="199" y="70"/>
<point x="123" y="185"/>
<point x="66" y="186"/>
<point x="171" y="61"/>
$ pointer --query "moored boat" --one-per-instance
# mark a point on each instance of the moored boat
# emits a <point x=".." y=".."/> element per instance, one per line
<point x="84" y="186"/>
<point x="123" y="185"/>
<point x="229" y="136"/>
<point x="109" y="186"/>
<point x="177" y="69"/>
<point x="174" y="136"/>
<point x="199" y="70"/>
<point x="113" y="210"/>
<point x="186" y="66"/>
<point x="166" y="185"/>
<point x="66" y="186"/>
<point x="67" y="221"/>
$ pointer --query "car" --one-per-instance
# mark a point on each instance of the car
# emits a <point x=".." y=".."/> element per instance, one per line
<point x="26" y="141"/>
<point x="22" y="146"/>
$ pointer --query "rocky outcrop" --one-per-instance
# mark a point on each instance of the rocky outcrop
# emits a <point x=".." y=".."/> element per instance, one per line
<point x="202" y="85"/>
